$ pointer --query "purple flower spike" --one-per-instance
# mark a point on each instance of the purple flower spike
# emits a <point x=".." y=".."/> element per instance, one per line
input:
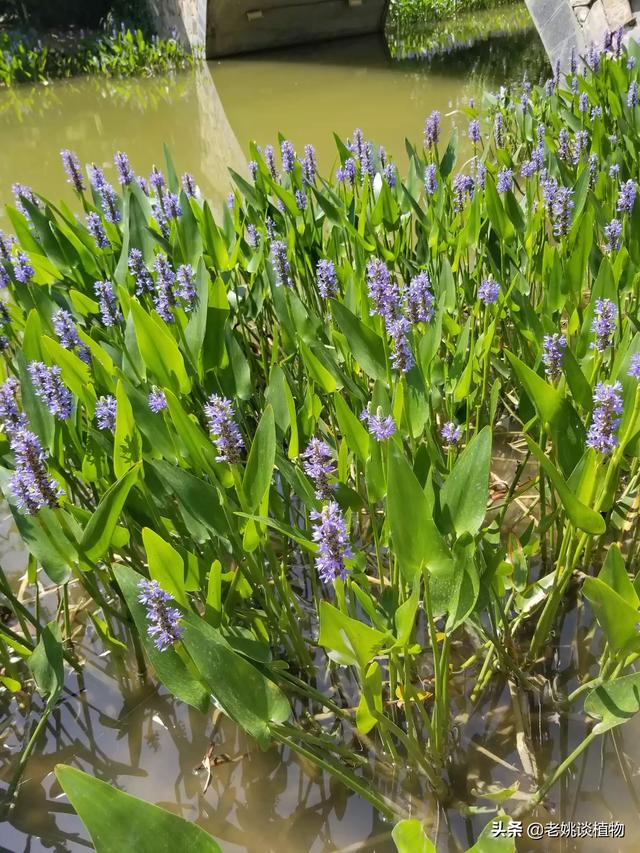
<point x="553" y="355"/>
<point x="126" y="174"/>
<point x="140" y="273"/>
<point x="432" y="130"/>
<point x="227" y="438"/>
<point x="309" y="164"/>
<point x="613" y="235"/>
<point x="109" y="309"/>
<point x="606" y="418"/>
<point x="50" y="388"/>
<point x="72" y="168"/>
<point x="157" y="400"/>
<point x="12" y="419"/>
<point x="379" y="426"/>
<point x="430" y="180"/>
<point x="106" y="410"/>
<point x="333" y="542"/>
<point x="318" y="464"/>
<point x="627" y="197"/>
<point x="288" y="156"/>
<point x="505" y="180"/>
<point x="280" y="263"/>
<point x="327" y="281"/>
<point x="189" y="185"/>
<point x="451" y="434"/>
<point x="489" y="291"/>
<point x="419" y="299"/>
<point x="474" y="131"/>
<point x="22" y="268"/>
<point x="604" y="324"/>
<point x="164" y="620"/>
<point x="68" y="336"/>
<point x="383" y="290"/>
<point x="186" y="287"/>
<point x="30" y="483"/>
<point x="634" y="366"/>
<point x="96" y="229"/>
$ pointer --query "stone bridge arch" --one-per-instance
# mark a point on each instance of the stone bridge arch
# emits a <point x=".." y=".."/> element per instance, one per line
<point x="226" y="27"/>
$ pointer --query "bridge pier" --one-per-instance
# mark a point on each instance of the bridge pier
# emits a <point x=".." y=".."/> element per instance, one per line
<point x="226" y="27"/>
<point x="571" y="26"/>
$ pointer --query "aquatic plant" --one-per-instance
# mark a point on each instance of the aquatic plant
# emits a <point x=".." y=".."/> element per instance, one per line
<point x="279" y="425"/>
<point x="120" y="53"/>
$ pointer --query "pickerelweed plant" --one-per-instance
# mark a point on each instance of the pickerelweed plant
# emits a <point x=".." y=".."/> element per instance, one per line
<point x="266" y="442"/>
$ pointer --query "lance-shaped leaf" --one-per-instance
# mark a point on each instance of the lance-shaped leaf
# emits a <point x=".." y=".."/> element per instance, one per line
<point x="465" y="493"/>
<point x="99" y="531"/>
<point x="159" y="350"/>
<point x="615" y="702"/>
<point x="259" y="468"/>
<point x="416" y="539"/>
<point x="579" y="514"/>
<point x="118" y="821"/>
<point x="366" y="345"/>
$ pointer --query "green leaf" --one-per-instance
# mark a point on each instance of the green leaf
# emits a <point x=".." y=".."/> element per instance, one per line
<point x="409" y="837"/>
<point x="47" y="663"/>
<point x="367" y="346"/>
<point x="159" y="350"/>
<point x="465" y="493"/>
<point x="127" y="447"/>
<point x="614" y="574"/>
<point x="169" y="666"/>
<point x="259" y="469"/>
<point x="118" y="821"/>
<point x="617" y="618"/>
<point x="193" y="437"/>
<point x="449" y="157"/>
<point x="405" y="615"/>
<point x="197" y="326"/>
<point x="165" y="565"/>
<point x="47" y="543"/>
<point x="545" y="397"/>
<point x="614" y="703"/>
<point x="348" y="641"/>
<point x="579" y="514"/>
<point x="355" y="434"/>
<point x="74" y="372"/>
<point x="196" y="496"/>
<point x="370" y="699"/>
<point x="99" y="531"/>
<point x="416" y="539"/>
<point x="243" y="692"/>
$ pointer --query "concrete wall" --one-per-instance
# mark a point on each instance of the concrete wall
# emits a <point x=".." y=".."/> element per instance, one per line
<point x="566" y="25"/>
<point x="236" y="26"/>
<point x="187" y="18"/>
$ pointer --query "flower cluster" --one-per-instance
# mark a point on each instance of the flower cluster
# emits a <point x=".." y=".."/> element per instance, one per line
<point x="318" y="464"/>
<point x="30" y="483"/>
<point x="68" y="336"/>
<point x="164" y="620"/>
<point x="221" y="419"/>
<point x="553" y="355"/>
<point x="326" y="279"/>
<point x="606" y="418"/>
<point x="109" y="309"/>
<point x="604" y="324"/>
<point x="50" y="388"/>
<point x="380" y="426"/>
<point x="105" y="414"/>
<point x="330" y="533"/>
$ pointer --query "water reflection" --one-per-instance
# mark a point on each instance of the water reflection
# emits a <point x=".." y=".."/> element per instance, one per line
<point x="208" y="117"/>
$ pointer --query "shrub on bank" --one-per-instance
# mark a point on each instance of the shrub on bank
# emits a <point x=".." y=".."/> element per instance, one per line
<point x="120" y="53"/>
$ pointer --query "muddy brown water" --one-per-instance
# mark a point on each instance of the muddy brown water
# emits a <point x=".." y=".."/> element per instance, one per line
<point x="133" y="734"/>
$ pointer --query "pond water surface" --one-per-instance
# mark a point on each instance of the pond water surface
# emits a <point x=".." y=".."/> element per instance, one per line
<point x="130" y="732"/>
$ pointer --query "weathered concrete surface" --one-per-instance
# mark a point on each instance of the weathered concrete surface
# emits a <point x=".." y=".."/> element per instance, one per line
<point x="236" y="26"/>
<point x="187" y="18"/>
<point x="559" y="30"/>
<point x="567" y="26"/>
